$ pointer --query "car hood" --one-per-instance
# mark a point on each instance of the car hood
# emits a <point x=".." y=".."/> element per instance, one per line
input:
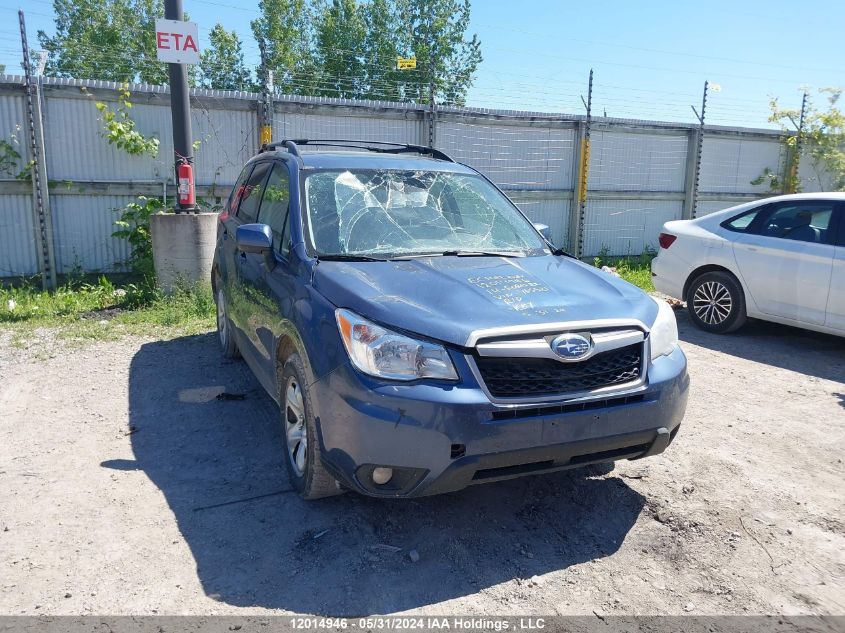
<point x="448" y="298"/>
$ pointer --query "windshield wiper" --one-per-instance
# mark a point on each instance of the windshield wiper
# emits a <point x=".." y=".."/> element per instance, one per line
<point x="562" y="253"/>
<point x="344" y="257"/>
<point x="456" y="253"/>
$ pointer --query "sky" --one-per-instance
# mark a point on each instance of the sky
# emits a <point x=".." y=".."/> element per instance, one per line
<point x="650" y="59"/>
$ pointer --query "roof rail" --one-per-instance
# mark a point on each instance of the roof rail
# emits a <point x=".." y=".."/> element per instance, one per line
<point x="288" y="145"/>
<point x="373" y="146"/>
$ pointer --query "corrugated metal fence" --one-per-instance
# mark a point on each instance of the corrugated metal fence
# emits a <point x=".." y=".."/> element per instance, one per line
<point x="640" y="173"/>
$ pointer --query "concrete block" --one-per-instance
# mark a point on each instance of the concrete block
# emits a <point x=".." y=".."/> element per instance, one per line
<point x="183" y="248"/>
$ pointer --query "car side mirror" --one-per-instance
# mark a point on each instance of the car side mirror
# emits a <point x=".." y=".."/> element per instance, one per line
<point x="544" y="230"/>
<point x="254" y="238"/>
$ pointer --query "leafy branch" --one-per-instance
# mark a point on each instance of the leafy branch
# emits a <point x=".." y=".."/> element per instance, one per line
<point x="10" y="158"/>
<point x="768" y="176"/>
<point x="119" y="128"/>
<point x="821" y="141"/>
<point x="134" y="223"/>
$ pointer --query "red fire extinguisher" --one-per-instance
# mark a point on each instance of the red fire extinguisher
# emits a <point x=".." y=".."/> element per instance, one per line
<point x="185" y="173"/>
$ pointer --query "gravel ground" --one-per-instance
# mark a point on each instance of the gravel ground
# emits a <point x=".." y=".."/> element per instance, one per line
<point x="127" y="487"/>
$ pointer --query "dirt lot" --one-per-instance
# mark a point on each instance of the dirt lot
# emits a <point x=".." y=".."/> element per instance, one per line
<point x="126" y="487"/>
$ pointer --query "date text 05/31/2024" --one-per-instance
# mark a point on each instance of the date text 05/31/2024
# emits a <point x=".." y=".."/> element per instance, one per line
<point x="419" y="623"/>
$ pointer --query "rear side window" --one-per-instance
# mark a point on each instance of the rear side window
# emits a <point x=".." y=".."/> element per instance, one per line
<point x="251" y="195"/>
<point x="275" y="204"/>
<point x="799" y="221"/>
<point x="741" y="222"/>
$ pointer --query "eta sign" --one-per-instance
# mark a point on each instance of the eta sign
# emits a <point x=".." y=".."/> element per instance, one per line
<point x="177" y="42"/>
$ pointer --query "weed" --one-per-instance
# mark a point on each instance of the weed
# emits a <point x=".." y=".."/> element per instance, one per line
<point x="635" y="269"/>
<point x="103" y="311"/>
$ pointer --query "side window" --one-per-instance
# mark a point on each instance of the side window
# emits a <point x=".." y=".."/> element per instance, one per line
<point x="741" y="222"/>
<point x="251" y="196"/>
<point x="799" y="221"/>
<point x="238" y="192"/>
<point x="274" y="205"/>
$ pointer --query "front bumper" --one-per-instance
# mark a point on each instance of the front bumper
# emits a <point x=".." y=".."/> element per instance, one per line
<point x="444" y="437"/>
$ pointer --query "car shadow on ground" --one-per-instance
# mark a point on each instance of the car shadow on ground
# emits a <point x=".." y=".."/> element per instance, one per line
<point x="803" y="351"/>
<point x="218" y="463"/>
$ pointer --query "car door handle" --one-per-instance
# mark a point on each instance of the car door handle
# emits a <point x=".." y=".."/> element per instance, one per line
<point x="243" y="256"/>
<point x="753" y="249"/>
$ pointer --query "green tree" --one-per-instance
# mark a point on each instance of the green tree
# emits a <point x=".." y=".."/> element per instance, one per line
<point x="822" y="141"/>
<point x="435" y="32"/>
<point x="381" y="48"/>
<point x="348" y="48"/>
<point x="285" y="30"/>
<point x="341" y="49"/>
<point x="222" y="63"/>
<point x="112" y="40"/>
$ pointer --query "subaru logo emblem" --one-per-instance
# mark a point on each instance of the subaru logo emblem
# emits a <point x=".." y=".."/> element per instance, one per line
<point x="571" y="346"/>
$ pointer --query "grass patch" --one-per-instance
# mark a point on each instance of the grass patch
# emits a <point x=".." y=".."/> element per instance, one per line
<point x="103" y="311"/>
<point x="635" y="269"/>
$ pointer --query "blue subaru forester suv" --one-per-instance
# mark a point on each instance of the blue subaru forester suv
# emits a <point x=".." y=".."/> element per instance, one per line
<point x="420" y="334"/>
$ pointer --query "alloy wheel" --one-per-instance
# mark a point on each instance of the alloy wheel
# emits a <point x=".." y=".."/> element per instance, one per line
<point x="712" y="302"/>
<point x="295" y="431"/>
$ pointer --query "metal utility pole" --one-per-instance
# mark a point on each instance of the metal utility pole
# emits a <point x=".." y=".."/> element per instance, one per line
<point x="40" y="194"/>
<point x="180" y="114"/>
<point x="698" y="149"/>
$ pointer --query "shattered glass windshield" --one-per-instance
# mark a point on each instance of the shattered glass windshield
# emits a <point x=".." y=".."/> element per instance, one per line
<point x="391" y="213"/>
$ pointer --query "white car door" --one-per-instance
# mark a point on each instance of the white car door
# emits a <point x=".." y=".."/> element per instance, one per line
<point x="786" y="259"/>
<point x="836" y="297"/>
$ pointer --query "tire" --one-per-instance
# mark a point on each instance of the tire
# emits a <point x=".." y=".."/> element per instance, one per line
<point x="716" y="303"/>
<point x="302" y="448"/>
<point x="224" y="325"/>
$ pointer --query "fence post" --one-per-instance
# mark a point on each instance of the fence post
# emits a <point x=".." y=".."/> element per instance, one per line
<point x="794" y="160"/>
<point x="265" y="104"/>
<point x="691" y="172"/>
<point x="432" y="119"/>
<point x="578" y="209"/>
<point x="42" y="220"/>
<point x="432" y="107"/>
<point x="698" y="147"/>
<point x="575" y="225"/>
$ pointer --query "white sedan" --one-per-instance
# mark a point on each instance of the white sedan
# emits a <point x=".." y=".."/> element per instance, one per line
<point x="779" y="259"/>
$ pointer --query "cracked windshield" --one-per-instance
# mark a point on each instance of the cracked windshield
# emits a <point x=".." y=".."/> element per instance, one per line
<point x="392" y="213"/>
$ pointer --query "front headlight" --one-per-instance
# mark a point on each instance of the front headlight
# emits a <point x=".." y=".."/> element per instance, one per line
<point x="380" y="352"/>
<point x="664" y="332"/>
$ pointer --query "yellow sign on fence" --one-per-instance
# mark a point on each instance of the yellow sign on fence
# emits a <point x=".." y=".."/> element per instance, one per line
<point x="406" y="63"/>
<point x="266" y="134"/>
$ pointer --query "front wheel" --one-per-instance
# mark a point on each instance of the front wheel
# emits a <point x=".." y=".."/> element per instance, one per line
<point x="715" y="303"/>
<point x="304" y="461"/>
